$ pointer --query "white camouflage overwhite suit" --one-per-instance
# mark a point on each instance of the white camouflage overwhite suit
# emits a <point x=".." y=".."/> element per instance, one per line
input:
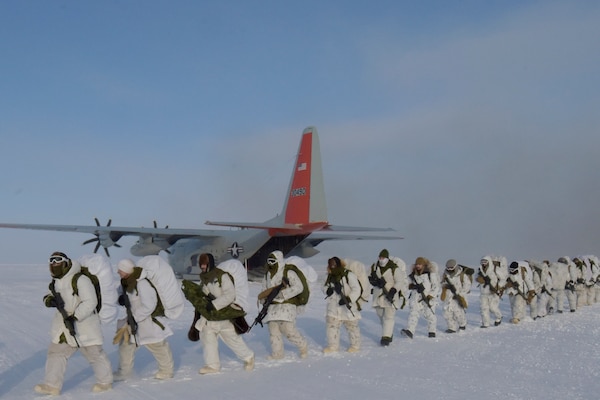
<point x="559" y="274"/>
<point x="592" y="275"/>
<point x="520" y="290"/>
<point x="144" y="300"/>
<point x="348" y="314"/>
<point x="88" y="339"/>
<point x="281" y="314"/>
<point x="393" y="272"/>
<point x="543" y="288"/>
<point x="423" y="303"/>
<point x="211" y="331"/>
<point x="454" y="313"/>
<point x="490" y="292"/>
<point x="583" y="280"/>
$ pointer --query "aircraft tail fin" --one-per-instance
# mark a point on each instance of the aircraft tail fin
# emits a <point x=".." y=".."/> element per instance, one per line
<point x="305" y="200"/>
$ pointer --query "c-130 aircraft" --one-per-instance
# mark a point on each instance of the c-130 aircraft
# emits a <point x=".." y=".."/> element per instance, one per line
<point x="296" y="231"/>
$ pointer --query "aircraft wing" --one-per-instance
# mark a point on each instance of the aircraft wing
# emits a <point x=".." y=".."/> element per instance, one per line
<point x="323" y="226"/>
<point x="118" y="231"/>
<point x="254" y="225"/>
<point x="324" y="235"/>
<point x="342" y="228"/>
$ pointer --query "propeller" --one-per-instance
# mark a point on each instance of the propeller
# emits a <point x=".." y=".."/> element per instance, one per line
<point x="103" y="239"/>
<point x="166" y="227"/>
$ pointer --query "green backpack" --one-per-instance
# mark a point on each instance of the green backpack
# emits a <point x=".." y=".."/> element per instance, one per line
<point x="95" y="281"/>
<point x="302" y="298"/>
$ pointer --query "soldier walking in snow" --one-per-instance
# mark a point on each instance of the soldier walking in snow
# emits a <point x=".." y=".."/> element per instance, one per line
<point x="492" y="279"/>
<point x="520" y="289"/>
<point x="425" y="287"/>
<point x="543" y="288"/>
<point x="214" y="300"/>
<point x="75" y="326"/>
<point x="559" y="274"/>
<point x="141" y="328"/>
<point x="282" y="313"/>
<point x="343" y="291"/>
<point x="388" y="278"/>
<point x="456" y="284"/>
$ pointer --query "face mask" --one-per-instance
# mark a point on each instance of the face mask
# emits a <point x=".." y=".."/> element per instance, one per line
<point x="383" y="261"/>
<point x="58" y="270"/>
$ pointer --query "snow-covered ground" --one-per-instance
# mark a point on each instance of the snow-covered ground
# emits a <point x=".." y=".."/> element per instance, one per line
<point x="552" y="358"/>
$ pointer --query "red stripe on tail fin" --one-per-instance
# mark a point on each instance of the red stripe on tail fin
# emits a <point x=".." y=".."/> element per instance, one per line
<point x="298" y="202"/>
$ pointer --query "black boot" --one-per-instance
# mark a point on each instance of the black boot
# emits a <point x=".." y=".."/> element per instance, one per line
<point x="386" y="340"/>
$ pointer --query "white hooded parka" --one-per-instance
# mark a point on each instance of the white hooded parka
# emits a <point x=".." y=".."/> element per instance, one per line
<point x="82" y="306"/>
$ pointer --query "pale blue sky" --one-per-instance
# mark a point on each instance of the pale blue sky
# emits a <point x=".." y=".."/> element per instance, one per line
<point x="470" y="127"/>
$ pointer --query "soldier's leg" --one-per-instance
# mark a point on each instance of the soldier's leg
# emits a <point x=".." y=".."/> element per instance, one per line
<point x="484" y="305"/>
<point x="235" y="342"/>
<point x="353" y="334"/>
<point x="333" y="333"/>
<point x="164" y="358"/>
<point x="276" y="339"/>
<point x="210" y="345"/>
<point x="100" y="364"/>
<point x="291" y="332"/>
<point x="56" y="364"/>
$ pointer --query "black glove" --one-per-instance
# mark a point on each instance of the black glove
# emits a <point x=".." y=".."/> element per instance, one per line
<point x="343" y="301"/>
<point x="374" y="280"/>
<point x="329" y="291"/>
<point x="337" y="286"/>
<point x="51" y="301"/>
<point x="210" y="306"/>
<point x="390" y="295"/>
<point x="70" y="324"/>
<point x="123" y="300"/>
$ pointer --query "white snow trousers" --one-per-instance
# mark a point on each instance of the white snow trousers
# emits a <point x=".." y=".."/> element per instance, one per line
<point x="559" y="299"/>
<point x="56" y="363"/>
<point x="209" y="335"/>
<point x="490" y="303"/>
<point x="420" y="308"/>
<point x="581" y="291"/>
<point x="277" y="329"/>
<point x="333" y="333"/>
<point x="454" y="315"/>
<point x="160" y="350"/>
<point x="387" y="317"/>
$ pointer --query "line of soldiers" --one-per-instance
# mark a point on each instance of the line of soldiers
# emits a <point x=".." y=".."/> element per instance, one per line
<point x="542" y="286"/>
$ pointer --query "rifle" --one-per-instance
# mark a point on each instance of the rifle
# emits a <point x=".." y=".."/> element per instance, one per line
<point x="514" y="285"/>
<point x="420" y="289"/>
<point x="380" y="283"/>
<point x="130" y="320"/>
<point x="343" y="300"/>
<point x="273" y="292"/>
<point x="459" y="299"/>
<point x="570" y="285"/>
<point x="544" y="290"/>
<point x="60" y="306"/>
